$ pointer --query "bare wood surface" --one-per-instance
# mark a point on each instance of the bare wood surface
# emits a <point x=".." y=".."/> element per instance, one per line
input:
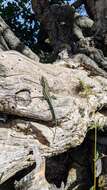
<point x="79" y="97"/>
<point x="28" y="136"/>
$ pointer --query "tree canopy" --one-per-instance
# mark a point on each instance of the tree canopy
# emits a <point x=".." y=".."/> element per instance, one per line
<point x="20" y="17"/>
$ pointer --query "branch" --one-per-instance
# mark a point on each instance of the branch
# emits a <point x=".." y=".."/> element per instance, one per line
<point x="10" y="41"/>
<point x="77" y="4"/>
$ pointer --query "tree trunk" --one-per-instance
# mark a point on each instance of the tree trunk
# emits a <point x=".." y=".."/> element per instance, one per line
<point x="97" y="10"/>
<point x="39" y="148"/>
<point x="27" y="127"/>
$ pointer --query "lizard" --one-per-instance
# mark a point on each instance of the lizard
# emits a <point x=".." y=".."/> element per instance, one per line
<point x="47" y="97"/>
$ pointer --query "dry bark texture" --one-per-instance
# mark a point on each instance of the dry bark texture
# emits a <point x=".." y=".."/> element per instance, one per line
<point x="34" y="152"/>
<point x="26" y="136"/>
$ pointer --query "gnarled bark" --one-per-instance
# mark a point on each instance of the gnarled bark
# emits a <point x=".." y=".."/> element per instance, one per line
<point x="98" y="11"/>
<point x="28" y="128"/>
<point x="28" y="138"/>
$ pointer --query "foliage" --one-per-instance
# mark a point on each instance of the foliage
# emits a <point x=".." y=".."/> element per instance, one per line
<point x="96" y="125"/>
<point x="97" y="155"/>
<point x="85" y="89"/>
<point x="19" y="16"/>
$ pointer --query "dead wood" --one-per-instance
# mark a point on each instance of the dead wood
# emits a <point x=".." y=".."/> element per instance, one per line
<point x="28" y="138"/>
<point x="79" y="92"/>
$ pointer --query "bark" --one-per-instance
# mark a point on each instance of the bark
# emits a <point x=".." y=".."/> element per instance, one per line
<point x="8" y="41"/>
<point x="34" y="152"/>
<point x="97" y="10"/>
<point x="27" y="131"/>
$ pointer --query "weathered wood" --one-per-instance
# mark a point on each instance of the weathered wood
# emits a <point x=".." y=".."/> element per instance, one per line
<point x="21" y="95"/>
<point x="26" y="124"/>
<point x="79" y="100"/>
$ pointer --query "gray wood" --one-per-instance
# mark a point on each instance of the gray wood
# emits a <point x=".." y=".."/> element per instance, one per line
<point x="30" y="129"/>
